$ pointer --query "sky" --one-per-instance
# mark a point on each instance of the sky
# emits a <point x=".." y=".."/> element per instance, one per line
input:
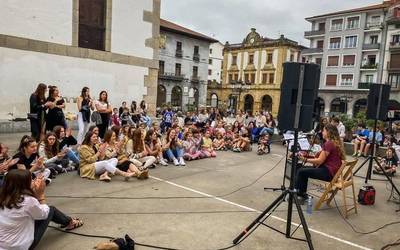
<point x="231" y="20"/>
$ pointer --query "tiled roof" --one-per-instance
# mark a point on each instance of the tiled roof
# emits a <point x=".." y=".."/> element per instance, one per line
<point x="362" y="9"/>
<point x="172" y="27"/>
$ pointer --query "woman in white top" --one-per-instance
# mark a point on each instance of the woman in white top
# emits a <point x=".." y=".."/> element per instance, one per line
<point x="105" y="110"/>
<point x="24" y="216"/>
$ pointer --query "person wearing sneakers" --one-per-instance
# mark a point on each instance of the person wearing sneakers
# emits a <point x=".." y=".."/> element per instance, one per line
<point x="115" y="149"/>
<point x="136" y="150"/>
<point x="153" y="147"/>
<point x="207" y="145"/>
<point x="173" y="148"/>
<point x="92" y="160"/>
<point x="360" y="140"/>
<point x="389" y="163"/>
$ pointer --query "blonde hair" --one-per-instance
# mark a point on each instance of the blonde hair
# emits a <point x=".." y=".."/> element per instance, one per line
<point x="333" y="136"/>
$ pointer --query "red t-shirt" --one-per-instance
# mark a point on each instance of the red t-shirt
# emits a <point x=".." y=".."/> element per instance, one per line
<point x="333" y="161"/>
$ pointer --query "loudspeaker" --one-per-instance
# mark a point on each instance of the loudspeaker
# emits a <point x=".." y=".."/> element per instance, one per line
<point x="378" y="91"/>
<point x="293" y="74"/>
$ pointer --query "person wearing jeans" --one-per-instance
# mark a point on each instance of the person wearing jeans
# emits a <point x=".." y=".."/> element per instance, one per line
<point x="24" y="216"/>
<point x="173" y="149"/>
<point x="326" y="164"/>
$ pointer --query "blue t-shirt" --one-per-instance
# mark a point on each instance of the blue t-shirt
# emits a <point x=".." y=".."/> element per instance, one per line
<point x="363" y="132"/>
<point x="378" y="136"/>
<point x="168" y="117"/>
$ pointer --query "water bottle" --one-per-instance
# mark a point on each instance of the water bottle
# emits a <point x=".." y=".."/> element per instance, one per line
<point x="309" y="204"/>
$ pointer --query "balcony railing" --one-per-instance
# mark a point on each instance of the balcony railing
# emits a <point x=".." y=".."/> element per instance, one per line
<point x="312" y="51"/>
<point x="395" y="86"/>
<point x="394" y="45"/>
<point x="373" y="25"/>
<point x="171" y="76"/>
<point x="369" y="66"/>
<point x="314" y="33"/>
<point x="364" y="85"/>
<point x="195" y="79"/>
<point x="179" y="53"/>
<point x="393" y="16"/>
<point x="196" y="57"/>
<point x="371" y="46"/>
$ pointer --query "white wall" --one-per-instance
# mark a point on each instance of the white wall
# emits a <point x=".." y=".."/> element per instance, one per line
<point x="44" y="20"/>
<point x="217" y="59"/>
<point x="128" y="30"/>
<point x="21" y="71"/>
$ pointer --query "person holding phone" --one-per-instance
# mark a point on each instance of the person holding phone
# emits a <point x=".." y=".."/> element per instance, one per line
<point x="54" y="159"/>
<point x="24" y="215"/>
<point x="173" y="148"/>
<point x="85" y="106"/>
<point x="67" y="141"/>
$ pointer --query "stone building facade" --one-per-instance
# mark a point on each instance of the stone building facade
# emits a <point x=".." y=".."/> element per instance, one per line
<point x="252" y="73"/>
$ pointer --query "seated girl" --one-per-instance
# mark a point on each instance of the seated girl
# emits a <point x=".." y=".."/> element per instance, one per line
<point x="264" y="145"/>
<point x="24" y="215"/>
<point x="136" y="150"/>
<point x="93" y="163"/>
<point x="114" y="149"/>
<point x="207" y="145"/>
<point x="154" y="147"/>
<point x="229" y="136"/>
<point x="241" y="142"/>
<point x="67" y="141"/>
<point x="220" y="128"/>
<point x="173" y="148"/>
<point x="326" y="163"/>
<point x="54" y="159"/>
<point x="219" y="142"/>
<point x="197" y="138"/>
<point x="389" y="163"/>
<point x="191" y="151"/>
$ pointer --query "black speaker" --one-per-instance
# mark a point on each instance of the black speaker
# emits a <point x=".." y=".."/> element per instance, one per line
<point x="378" y="91"/>
<point x="293" y="74"/>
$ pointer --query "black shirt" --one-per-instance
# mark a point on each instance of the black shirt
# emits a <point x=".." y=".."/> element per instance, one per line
<point x="27" y="162"/>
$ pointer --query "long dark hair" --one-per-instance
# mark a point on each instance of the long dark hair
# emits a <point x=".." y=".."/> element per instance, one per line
<point x="88" y="135"/>
<point x="333" y="136"/>
<point x="143" y="105"/>
<point x="103" y="91"/>
<point x="149" y="134"/>
<point x="137" y="145"/>
<point x="52" y="89"/>
<point x="107" y="135"/>
<point x="57" y="131"/>
<point x="17" y="183"/>
<point x="173" y="143"/>
<point x="133" y="106"/>
<point x="84" y="90"/>
<point x="40" y="92"/>
<point x="50" y="151"/>
<point x="25" y="141"/>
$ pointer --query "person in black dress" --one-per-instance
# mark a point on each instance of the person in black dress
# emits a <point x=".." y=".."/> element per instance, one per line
<point x="55" y="115"/>
<point x="37" y="111"/>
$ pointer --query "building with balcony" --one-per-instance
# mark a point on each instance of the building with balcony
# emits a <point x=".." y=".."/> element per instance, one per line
<point x="183" y="67"/>
<point x="252" y="73"/>
<point x="104" y="45"/>
<point x="347" y="44"/>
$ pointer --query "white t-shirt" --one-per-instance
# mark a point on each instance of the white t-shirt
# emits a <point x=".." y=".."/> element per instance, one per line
<point x="102" y="105"/>
<point x="17" y="226"/>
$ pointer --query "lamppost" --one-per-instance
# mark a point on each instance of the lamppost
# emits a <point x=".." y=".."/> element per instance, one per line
<point x="238" y="88"/>
<point x="346" y="99"/>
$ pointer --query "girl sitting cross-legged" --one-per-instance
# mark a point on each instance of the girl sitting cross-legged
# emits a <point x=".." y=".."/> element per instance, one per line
<point x="191" y="151"/>
<point x="173" y="148"/>
<point x="154" y="147"/>
<point x="136" y="149"/>
<point x="54" y="159"/>
<point x="219" y="142"/>
<point x="207" y="145"/>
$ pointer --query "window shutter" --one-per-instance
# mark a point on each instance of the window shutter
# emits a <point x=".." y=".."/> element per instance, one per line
<point x="349" y="60"/>
<point x="331" y="80"/>
<point x="395" y="61"/>
<point x="333" y="60"/>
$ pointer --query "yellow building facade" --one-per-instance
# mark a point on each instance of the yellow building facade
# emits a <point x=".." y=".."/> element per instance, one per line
<point x="252" y="74"/>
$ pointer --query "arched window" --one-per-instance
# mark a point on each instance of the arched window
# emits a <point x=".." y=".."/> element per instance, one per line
<point x="214" y="100"/>
<point x="248" y="103"/>
<point x="176" y="97"/>
<point x="161" y="95"/>
<point x="266" y="103"/>
<point x="360" y="106"/>
<point x="338" y="106"/>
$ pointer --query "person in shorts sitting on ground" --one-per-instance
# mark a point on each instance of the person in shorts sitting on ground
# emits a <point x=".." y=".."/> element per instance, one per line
<point x="389" y="163"/>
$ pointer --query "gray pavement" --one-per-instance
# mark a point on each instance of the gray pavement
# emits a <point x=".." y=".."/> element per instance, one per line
<point x="176" y="208"/>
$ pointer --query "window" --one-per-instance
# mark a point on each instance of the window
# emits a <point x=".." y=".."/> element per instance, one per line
<point x="230" y="78"/>
<point x="333" y="61"/>
<point x="269" y="58"/>
<point x="371" y="59"/>
<point x="178" y="69"/>
<point x="92" y="25"/>
<point x="375" y="20"/>
<point x="210" y="61"/>
<point x="291" y="57"/>
<point x="353" y="22"/>
<point x="347" y="80"/>
<point x="320" y="44"/>
<point x="196" y="50"/>
<point x="271" y="78"/>
<point x="252" y="78"/>
<point x="394" y="80"/>
<point x="331" y="80"/>
<point x="318" y="61"/>
<point x="369" y="78"/>
<point x="336" y="24"/>
<point x="209" y="72"/>
<point x="334" y="43"/>
<point x="236" y="77"/>
<point x="395" y="39"/>
<point x="234" y="60"/>
<point x="251" y="59"/>
<point x="210" y="51"/>
<point x="350" y="42"/>
<point x="264" y="78"/>
<point x="321" y="26"/>
<point x="373" y="39"/>
<point x="246" y="78"/>
<point x="394" y="61"/>
<point x="161" y="67"/>
<point x="195" y="71"/>
<point x="349" y="60"/>
<point x="178" y="46"/>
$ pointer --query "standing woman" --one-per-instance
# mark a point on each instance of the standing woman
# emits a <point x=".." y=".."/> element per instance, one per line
<point x="143" y="107"/>
<point x="135" y="113"/>
<point x="85" y="104"/>
<point x="55" y="115"/>
<point x="37" y="111"/>
<point x="105" y="110"/>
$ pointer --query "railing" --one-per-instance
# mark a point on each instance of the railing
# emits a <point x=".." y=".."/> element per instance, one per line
<point x="179" y="53"/>
<point x="374" y="25"/>
<point x="395" y="86"/>
<point x="314" y="33"/>
<point x="312" y="51"/>
<point x="195" y="79"/>
<point x="171" y="76"/>
<point x="196" y="57"/>
<point x="364" y="85"/>
<point x="394" y="45"/>
<point x="371" y="46"/>
<point x="369" y="66"/>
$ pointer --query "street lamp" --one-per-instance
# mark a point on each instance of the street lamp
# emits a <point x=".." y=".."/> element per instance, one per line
<point x="346" y="99"/>
<point x="238" y="87"/>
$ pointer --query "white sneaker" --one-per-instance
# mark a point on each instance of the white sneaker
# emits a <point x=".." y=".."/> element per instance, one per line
<point x="163" y="162"/>
<point x="176" y="163"/>
<point x="182" y="162"/>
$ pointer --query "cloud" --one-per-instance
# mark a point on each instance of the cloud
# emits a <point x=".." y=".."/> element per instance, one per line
<point x="231" y="20"/>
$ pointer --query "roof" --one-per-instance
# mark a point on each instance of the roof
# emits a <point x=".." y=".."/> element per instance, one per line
<point x="362" y="9"/>
<point x="172" y="27"/>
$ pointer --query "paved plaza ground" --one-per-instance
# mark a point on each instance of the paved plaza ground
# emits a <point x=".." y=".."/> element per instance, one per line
<point x="178" y="208"/>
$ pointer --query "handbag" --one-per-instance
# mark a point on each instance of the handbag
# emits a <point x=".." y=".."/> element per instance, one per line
<point x="96" y="118"/>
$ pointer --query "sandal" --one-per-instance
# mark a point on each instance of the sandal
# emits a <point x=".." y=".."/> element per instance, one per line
<point x="76" y="222"/>
<point x="105" y="178"/>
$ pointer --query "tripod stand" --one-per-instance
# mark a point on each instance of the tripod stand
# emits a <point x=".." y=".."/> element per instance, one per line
<point x="290" y="193"/>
